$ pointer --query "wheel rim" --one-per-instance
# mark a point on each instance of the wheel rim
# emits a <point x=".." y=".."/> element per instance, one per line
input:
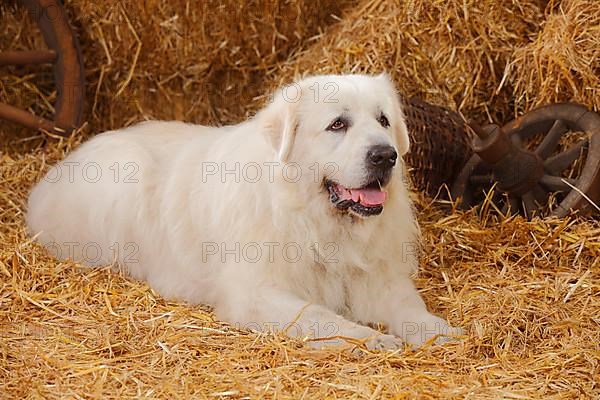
<point x="64" y="53"/>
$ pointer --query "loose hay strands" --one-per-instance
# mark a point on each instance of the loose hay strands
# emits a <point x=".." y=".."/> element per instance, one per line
<point x="528" y="293"/>
<point x="563" y="62"/>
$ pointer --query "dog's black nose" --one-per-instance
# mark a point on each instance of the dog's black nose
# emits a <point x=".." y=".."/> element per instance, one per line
<point x="382" y="156"/>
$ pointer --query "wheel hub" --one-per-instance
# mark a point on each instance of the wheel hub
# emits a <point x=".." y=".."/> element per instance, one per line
<point x="534" y="175"/>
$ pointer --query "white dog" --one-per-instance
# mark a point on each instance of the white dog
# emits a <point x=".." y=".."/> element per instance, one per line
<point x="296" y="220"/>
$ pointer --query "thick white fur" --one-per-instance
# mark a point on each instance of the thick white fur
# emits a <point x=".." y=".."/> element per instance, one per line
<point x="159" y="211"/>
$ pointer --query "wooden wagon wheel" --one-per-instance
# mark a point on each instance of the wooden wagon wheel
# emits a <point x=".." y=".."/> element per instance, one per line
<point x="64" y="53"/>
<point x="525" y="167"/>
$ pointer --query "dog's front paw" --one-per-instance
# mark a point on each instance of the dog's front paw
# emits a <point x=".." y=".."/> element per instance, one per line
<point x="384" y="342"/>
<point x="418" y="333"/>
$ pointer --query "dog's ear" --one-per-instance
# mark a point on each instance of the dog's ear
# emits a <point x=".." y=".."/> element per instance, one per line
<point x="399" y="121"/>
<point x="401" y="130"/>
<point x="279" y="120"/>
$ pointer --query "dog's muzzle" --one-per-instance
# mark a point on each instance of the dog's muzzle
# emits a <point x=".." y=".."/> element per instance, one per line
<point x="368" y="199"/>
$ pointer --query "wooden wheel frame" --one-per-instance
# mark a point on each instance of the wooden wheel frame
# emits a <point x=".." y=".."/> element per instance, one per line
<point x="533" y="181"/>
<point x="65" y="55"/>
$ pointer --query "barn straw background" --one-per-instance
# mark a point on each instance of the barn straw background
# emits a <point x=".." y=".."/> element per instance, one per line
<point x="528" y="293"/>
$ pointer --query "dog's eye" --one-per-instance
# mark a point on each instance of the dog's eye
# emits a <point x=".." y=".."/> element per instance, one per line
<point x="383" y="121"/>
<point x="337" y="125"/>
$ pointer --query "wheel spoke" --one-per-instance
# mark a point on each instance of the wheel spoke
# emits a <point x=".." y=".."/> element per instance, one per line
<point x="514" y="204"/>
<point x="557" y="183"/>
<point x="551" y="139"/>
<point x="511" y="205"/>
<point x="529" y="204"/>
<point x="27" y="57"/>
<point x="22" y="117"/>
<point x="540" y="195"/>
<point x="481" y="179"/>
<point x="504" y="210"/>
<point x="562" y="161"/>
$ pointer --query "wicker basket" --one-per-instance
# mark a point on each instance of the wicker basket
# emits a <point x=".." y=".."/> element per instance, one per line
<point x="439" y="146"/>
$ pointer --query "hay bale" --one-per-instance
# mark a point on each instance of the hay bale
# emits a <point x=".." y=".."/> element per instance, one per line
<point x="563" y="62"/>
<point x="450" y="53"/>
<point x="485" y="59"/>
<point x="201" y="58"/>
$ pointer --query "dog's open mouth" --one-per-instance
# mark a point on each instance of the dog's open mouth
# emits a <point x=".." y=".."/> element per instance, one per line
<point x="365" y="201"/>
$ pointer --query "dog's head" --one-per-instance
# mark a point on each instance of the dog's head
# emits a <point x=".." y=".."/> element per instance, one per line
<point x="345" y="133"/>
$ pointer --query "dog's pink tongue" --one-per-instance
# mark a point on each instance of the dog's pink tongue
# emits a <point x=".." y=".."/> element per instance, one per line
<point x="366" y="197"/>
<point x="369" y="197"/>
